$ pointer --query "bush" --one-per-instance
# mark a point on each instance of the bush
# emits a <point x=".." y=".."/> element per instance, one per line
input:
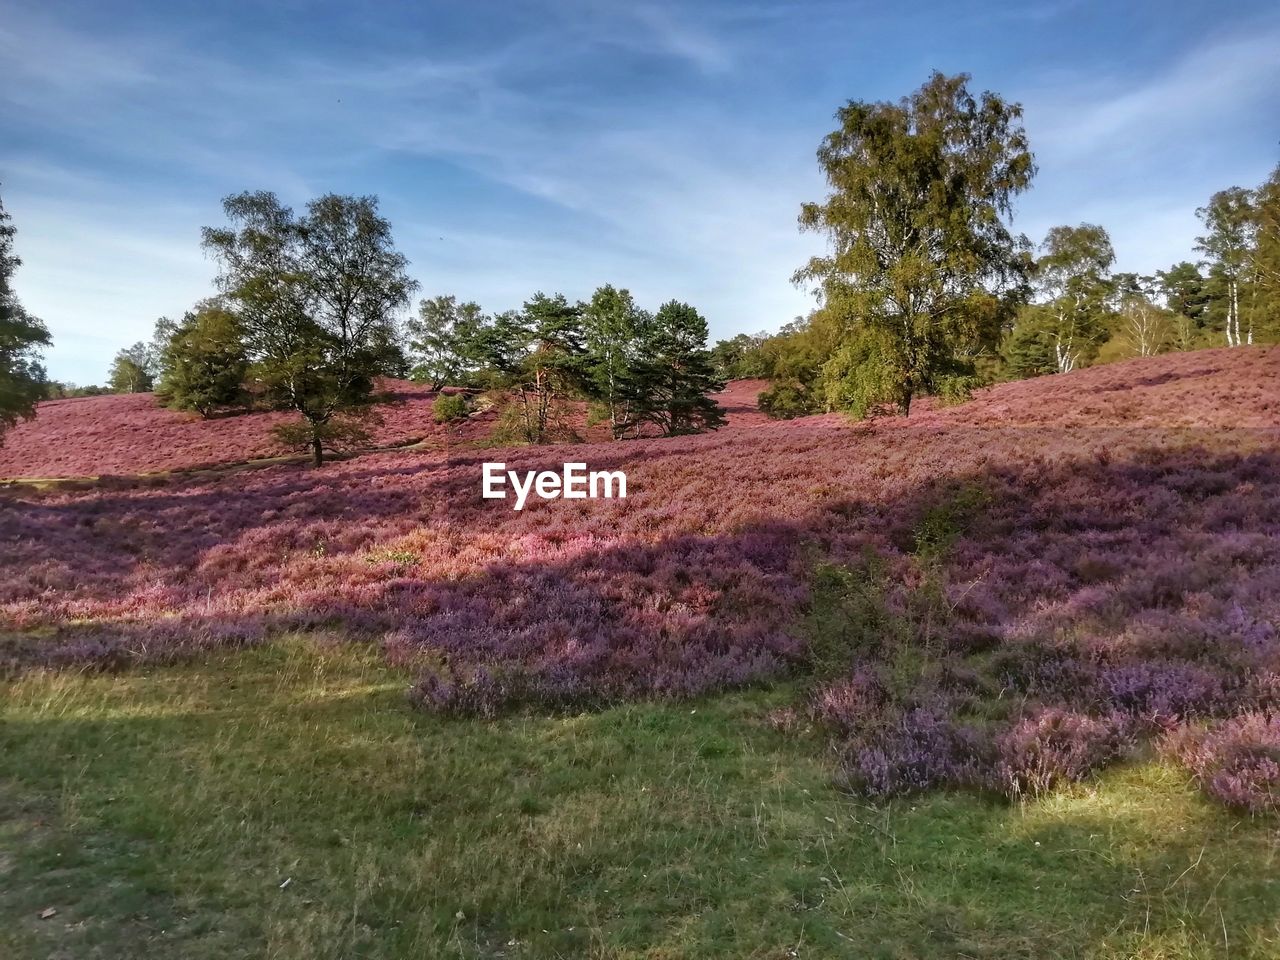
<point x="450" y="407"/>
<point x="1237" y="761"/>
<point x="787" y="400"/>
<point x="1055" y="746"/>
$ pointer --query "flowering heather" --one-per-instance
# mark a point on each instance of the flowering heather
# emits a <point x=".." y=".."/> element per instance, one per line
<point x="1236" y="761"/>
<point x="126" y="434"/>
<point x="129" y="434"/>
<point x="1043" y="584"/>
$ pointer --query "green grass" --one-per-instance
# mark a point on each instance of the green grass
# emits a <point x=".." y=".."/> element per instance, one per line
<point x="162" y="812"/>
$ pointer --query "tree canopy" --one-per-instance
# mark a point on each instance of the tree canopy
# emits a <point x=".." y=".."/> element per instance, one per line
<point x="920" y="192"/>
<point x="317" y="297"/>
<point x="22" y="375"/>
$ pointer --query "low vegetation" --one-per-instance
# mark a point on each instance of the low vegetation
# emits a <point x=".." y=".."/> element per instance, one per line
<point x="287" y="802"/>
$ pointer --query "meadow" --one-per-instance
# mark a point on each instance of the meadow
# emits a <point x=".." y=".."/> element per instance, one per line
<point x="995" y="680"/>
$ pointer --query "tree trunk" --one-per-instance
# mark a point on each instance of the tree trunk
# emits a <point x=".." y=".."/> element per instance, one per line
<point x="317" y="451"/>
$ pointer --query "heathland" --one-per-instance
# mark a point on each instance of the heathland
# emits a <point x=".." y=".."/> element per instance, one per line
<point x="996" y="679"/>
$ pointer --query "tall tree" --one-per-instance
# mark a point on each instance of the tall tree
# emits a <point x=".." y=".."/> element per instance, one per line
<point x="317" y="296"/>
<point x="1072" y="278"/>
<point x="1266" y="254"/>
<point x="614" y="327"/>
<point x="545" y="355"/>
<point x="1183" y="288"/>
<point x="1146" y="327"/>
<point x="131" y="369"/>
<point x="203" y="360"/>
<point x="669" y="383"/>
<point x="22" y="376"/>
<point x="443" y="341"/>
<point x="920" y="192"/>
<point x="1227" y="244"/>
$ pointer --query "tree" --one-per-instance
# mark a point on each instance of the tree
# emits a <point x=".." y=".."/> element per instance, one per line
<point x="443" y="341"/>
<point x="1227" y="245"/>
<point x="1183" y="288"/>
<point x="542" y="352"/>
<point x="131" y="370"/>
<point x="1266" y="255"/>
<point x="1029" y="350"/>
<point x="1071" y="277"/>
<point x="614" y="329"/>
<point x="317" y="297"/>
<point x="22" y="376"/>
<point x="1145" y="325"/>
<point x="203" y="362"/>
<point x="741" y="357"/>
<point x="920" y="191"/>
<point x="669" y="382"/>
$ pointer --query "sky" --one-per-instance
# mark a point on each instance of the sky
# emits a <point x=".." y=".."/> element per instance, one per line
<point x="560" y="145"/>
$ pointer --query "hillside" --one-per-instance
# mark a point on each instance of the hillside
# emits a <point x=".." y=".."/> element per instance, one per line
<point x="1066" y="593"/>
<point x="1117" y="523"/>
<point x="130" y="434"/>
<point x="127" y="434"/>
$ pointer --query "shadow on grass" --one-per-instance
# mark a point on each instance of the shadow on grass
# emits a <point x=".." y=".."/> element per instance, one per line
<point x="161" y="814"/>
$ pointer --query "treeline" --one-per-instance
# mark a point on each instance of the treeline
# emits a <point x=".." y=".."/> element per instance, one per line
<point x="306" y="319"/>
<point x="924" y="290"/>
<point x="927" y="291"/>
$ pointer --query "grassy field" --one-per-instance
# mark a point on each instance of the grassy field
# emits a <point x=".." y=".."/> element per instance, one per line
<point x="287" y="802"/>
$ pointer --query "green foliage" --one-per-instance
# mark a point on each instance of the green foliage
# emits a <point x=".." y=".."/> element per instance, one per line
<point x="450" y="407"/>
<point x="1228" y="242"/>
<point x="956" y="388"/>
<point x="849" y="616"/>
<point x="60" y="390"/>
<point x="863" y="376"/>
<point x="1264" y="298"/>
<point x="541" y="355"/>
<point x="945" y="521"/>
<point x="614" y="328"/>
<point x="1072" y="279"/>
<point x="788" y="399"/>
<point x="204" y="363"/>
<point x="742" y="357"/>
<point x="22" y="376"/>
<point x="922" y="258"/>
<point x="668" y="383"/>
<point x="316" y="296"/>
<point x="445" y="342"/>
<point x="132" y="370"/>
<point x="341" y="433"/>
<point x="1028" y="351"/>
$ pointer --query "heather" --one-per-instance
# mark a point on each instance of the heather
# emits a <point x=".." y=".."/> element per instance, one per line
<point x="130" y="433"/>
<point x="1004" y="596"/>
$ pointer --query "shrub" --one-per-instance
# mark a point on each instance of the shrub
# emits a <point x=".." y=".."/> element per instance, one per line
<point x="787" y="399"/>
<point x="1236" y="761"/>
<point x="1055" y="746"/>
<point x="450" y="408"/>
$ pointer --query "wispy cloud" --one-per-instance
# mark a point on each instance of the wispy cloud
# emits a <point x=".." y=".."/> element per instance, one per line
<point x="658" y="145"/>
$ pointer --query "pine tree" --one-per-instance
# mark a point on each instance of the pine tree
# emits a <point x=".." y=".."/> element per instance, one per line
<point x="669" y="384"/>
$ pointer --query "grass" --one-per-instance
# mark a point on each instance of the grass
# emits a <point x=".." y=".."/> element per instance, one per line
<point x="286" y="802"/>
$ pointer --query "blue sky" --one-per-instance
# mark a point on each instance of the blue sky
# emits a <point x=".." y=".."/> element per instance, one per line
<point x="563" y="144"/>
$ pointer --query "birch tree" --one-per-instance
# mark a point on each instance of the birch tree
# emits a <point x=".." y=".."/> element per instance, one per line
<point x="1071" y="277"/>
<point x="317" y="297"/>
<point x="1228" y="243"/>
<point x="1146" y="326"/>
<point x="921" y="192"/>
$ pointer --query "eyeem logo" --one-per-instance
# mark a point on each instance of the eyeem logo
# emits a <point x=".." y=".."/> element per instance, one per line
<point x="574" y="483"/>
